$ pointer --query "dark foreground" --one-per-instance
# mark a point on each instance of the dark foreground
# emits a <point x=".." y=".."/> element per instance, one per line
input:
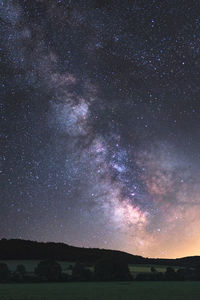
<point x="102" y="291"/>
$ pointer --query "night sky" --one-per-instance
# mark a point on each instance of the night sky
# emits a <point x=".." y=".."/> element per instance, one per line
<point x="100" y="124"/>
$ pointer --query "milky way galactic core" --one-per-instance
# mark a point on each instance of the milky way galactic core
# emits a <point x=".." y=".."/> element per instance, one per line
<point x="100" y="124"/>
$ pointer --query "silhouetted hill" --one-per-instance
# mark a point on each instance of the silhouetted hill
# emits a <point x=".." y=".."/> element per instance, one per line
<point x="190" y="261"/>
<point x="24" y="249"/>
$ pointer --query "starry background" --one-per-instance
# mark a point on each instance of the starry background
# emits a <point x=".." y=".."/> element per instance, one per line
<point x="100" y="119"/>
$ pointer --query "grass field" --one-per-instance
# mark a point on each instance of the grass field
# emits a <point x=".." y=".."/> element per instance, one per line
<point x="135" y="269"/>
<point x="102" y="291"/>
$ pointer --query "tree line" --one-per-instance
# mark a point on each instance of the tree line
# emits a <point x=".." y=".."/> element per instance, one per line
<point x="103" y="270"/>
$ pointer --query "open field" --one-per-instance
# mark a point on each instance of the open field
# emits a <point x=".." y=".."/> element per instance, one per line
<point x="135" y="269"/>
<point x="102" y="291"/>
<point x="31" y="264"/>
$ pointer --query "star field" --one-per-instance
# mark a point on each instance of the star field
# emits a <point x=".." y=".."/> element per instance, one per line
<point x="100" y="117"/>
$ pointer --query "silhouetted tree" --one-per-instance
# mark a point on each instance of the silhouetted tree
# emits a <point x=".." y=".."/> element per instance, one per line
<point x="4" y="272"/>
<point x="81" y="273"/>
<point x="170" y="274"/>
<point x="48" y="270"/>
<point x="19" y="274"/>
<point x="143" y="277"/>
<point x="159" y="276"/>
<point x="153" y="270"/>
<point x="197" y="272"/>
<point x="70" y="267"/>
<point x="21" y="269"/>
<point x="181" y="274"/>
<point x="109" y="269"/>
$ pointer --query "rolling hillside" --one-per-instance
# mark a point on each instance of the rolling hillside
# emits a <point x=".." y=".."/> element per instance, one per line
<point x="25" y="250"/>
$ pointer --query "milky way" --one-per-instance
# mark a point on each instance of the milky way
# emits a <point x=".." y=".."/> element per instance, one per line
<point x="100" y="124"/>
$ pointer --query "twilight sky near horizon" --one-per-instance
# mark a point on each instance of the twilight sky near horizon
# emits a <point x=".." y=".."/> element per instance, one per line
<point x="100" y="124"/>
